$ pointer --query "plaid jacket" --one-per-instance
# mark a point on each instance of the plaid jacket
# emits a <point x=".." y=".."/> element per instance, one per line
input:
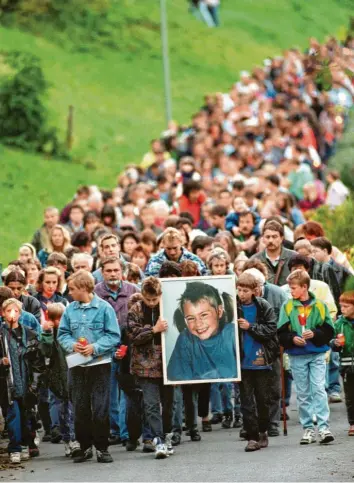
<point x="145" y="346"/>
<point x="154" y="265"/>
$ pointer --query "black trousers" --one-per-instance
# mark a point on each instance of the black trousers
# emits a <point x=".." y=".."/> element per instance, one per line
<point x="275" y="395"/>
<point x="255" y="401"/>
<point x="348" y="383"/>
<point x="90" y="392"/>
<point x="202" y="392"/>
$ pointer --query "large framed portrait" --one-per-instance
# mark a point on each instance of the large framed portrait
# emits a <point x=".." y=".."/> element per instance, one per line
<point x="201" y="343"/>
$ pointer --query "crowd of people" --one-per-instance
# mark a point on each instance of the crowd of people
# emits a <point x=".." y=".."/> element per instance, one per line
<point x="232" y="193"/>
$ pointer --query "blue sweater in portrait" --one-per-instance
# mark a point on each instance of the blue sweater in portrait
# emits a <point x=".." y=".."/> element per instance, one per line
<point x="194" y="359"/>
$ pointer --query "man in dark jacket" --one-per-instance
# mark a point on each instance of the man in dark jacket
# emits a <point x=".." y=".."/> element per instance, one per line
<point x="117" y="293"/>
<point x="275" y="256"/>
<point x="259" y="349"/>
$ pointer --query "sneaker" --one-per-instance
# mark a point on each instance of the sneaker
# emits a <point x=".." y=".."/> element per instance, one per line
<point x="325" y="436"/>
<point x="216" y="418"/>
<point x="47" y="437"/>
<point x="74" y="446"/>
<point x="55" y="436"/>
<point x="15" y="458"/>
<point x="335" y="398"/>
<point x="351" y="430"/>
<point x="206" y="426"/>
<point x="25" y="454"/>
<point x="79" y="456"/>
<point x="227" y="421"/>
<point x="148" y="446"/>
<point x="103" y="456"/>
<point x="113" y="440"/>
<point x="37" y="439"/>
<point x="308" y="437"/>
<point x="131" y="445"/>
<point x="176" y="439"/>
<point x="160" y="449"/>
<point x="33" y="451"/>
<point x="273" y="432"/>
<point x="252" y="446"/>
<point x="169" y="445"/>
<point x="263" y="440"/>
<point x="195" y="435"/>
<point x="238" y="423"/>
<point x="67" y="449"/>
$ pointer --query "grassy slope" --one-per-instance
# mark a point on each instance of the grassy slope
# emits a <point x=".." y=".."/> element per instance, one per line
<point x="118" y="93"/>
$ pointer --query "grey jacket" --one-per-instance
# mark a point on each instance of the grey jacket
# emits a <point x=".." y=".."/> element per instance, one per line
<point x="285" y="256"/>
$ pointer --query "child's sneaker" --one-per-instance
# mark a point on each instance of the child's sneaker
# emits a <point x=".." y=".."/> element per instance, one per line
<point x="325" y="436"/>
<point x="169" y="444"/>
<point x="25" y="455"/>
<point x="238" y="422"/>
<point x="160" y="449"/>
<point x="15" y="458"/>
<point x="308" y="437"/>
<point x="148" y="446"/>
<point x="227" y="421"/>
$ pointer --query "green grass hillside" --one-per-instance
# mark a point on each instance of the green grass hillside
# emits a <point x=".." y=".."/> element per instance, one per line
<point x="113" y="78"/>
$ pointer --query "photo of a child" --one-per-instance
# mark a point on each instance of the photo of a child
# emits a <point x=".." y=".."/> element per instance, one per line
<point x="201" y="343"/>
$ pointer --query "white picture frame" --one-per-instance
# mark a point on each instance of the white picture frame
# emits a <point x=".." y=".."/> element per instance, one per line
<point x="172" y="290"/>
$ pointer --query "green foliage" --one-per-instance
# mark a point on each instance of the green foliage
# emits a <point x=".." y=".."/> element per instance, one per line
<point x="338" y="224"/>
<point x="23" y="117"/>
<point x="343" y="160"/>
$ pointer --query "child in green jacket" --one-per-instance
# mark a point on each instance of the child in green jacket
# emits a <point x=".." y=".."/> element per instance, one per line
<point x="344" y="343"/>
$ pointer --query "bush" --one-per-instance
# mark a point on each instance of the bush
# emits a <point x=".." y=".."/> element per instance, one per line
<point x="23" y="117"/>
<point x="338" y="225"/>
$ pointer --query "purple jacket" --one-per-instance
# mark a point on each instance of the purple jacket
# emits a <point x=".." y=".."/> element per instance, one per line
<point x="120" y="304"/>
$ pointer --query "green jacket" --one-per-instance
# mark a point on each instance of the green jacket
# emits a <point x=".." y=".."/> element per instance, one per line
<point x="318" y="320"/>
<point x="346" y="327"/>
<point x="57" y="369"/>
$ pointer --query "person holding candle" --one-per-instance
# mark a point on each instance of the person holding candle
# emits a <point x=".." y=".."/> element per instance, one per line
<point x="305" y="329"/>
<point x="344" y="344"/>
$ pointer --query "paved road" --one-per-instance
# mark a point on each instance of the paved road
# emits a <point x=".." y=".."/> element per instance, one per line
<point x="219" y="456"/>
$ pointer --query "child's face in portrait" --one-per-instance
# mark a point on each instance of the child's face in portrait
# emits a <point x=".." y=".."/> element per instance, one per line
<point x="202" y="318"/>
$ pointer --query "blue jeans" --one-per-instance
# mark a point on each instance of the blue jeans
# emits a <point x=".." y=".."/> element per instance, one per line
<point x="64" y="410"/>
<point x="309" y="375"/>
<point x="177" y="418"/>
<point x="18" y="426"/>
<point x="220" y="398"/>
<point x="118" y="409"/>
<point x="53" y="410"/>
<point x="332" y="374"/>
<point x="237" y="401"/>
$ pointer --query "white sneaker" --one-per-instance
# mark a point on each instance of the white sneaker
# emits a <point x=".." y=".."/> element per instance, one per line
<point x="15" y="458"/>
<point x="335" y="398"/>
<point x="168" y="441"/>
<point x="160" y="449"/>
<point x="308" y="437"/>
<point x="37" y="439"/>
<point x="67" y="449"/>
<point x="25" y="456"/>
<point x="325" y="436"/>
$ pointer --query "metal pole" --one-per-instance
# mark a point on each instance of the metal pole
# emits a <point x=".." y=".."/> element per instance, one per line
<point x="165" y="61"/>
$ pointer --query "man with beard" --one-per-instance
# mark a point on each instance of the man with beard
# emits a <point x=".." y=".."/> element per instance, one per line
<point x="275" y="256"/>
<point x="247" y="240"/>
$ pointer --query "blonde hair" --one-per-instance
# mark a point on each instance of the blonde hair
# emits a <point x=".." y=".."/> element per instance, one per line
<point x="299" y="277"/>
<point x="171" y="234"/>
<point x="31" y="247"/>
<point x="82" y="279"/>
<point x="55" y="311"/>
<point x="218" y="254"/>
<point x="12" y="301"/>
<point x="66" y="235"/>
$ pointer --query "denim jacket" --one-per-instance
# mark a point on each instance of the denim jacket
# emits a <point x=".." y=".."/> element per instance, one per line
<point x="97" y="322"/>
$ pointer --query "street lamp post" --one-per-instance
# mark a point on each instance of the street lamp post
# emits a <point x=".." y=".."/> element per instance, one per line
<point x="165" y="61"/>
